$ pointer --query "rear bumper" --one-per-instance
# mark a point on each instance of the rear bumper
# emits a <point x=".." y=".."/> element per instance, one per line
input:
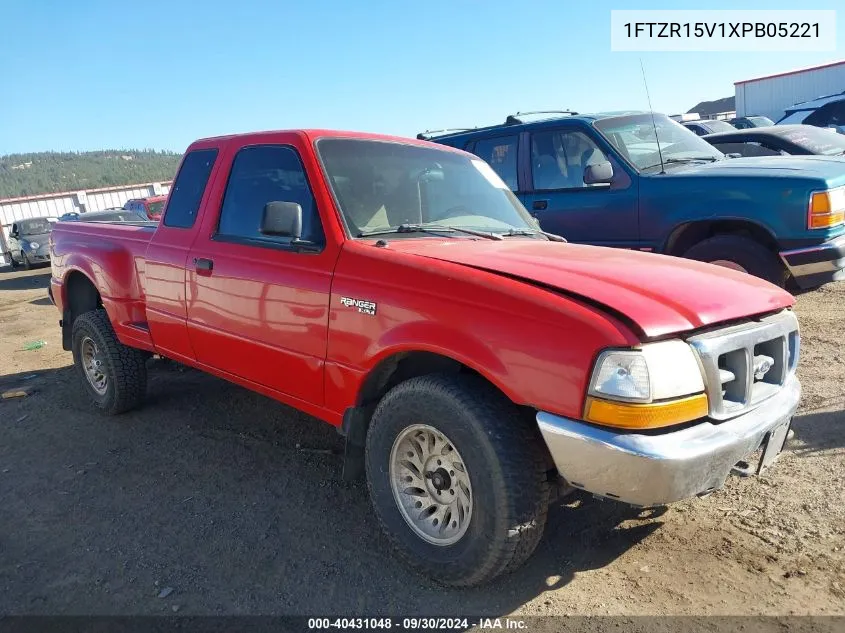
<point x="650" y="470"/>
<point x="816" y="265"/>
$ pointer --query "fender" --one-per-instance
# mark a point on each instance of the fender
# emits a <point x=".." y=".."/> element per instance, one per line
<point x="113" y="274"/>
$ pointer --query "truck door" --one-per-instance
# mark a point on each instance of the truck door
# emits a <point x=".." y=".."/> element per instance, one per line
<point x="164" y="262"/>
<point x="555" y="192"/>
<point x="258" y="304"/>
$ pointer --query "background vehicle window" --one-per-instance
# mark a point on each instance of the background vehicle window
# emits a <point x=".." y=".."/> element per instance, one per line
<point x="747" y="149"/>
<point x="817" y="140"/>
<point x="262" y="174"/>
<point x="500" y="153"/>
<point x="559" y="159"/>
<point x="188" y="188"/>
<point x="830" y="114"/>
<point x="712" y="127"/>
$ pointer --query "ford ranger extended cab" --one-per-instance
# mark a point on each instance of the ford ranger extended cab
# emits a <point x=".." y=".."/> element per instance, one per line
<point x="398" y="290"/>
<point x="637" y="181"/>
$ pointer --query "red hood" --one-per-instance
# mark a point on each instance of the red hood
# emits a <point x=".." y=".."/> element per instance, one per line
<point x="660" y="294"/>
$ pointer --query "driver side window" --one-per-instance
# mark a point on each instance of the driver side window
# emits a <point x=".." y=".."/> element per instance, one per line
<point x="559" y="159"/>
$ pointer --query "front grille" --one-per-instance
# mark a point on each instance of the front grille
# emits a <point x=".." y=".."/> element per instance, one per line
<point x="746" y="364"/>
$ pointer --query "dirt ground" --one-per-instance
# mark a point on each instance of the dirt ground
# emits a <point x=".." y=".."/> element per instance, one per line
<point x="235" y="504"/>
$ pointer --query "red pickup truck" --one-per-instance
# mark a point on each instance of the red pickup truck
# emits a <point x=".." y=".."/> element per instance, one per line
<point x="476" y="365"/>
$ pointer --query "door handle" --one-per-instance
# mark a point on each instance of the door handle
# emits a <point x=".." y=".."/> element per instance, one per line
<point x="203" y="265"/>
<point x="540" y="205"/>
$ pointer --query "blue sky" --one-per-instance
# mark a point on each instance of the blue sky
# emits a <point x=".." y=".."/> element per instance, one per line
<point x="93" y="74"/>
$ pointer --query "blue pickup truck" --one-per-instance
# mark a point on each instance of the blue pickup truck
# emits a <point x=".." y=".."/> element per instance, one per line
<point x="641" y="181"/>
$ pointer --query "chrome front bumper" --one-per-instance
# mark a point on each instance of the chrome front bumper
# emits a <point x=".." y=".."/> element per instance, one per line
<point x="650" y="470"/>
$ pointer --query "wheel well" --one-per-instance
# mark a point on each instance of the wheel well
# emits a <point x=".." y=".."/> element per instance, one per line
<point x="386" y="375"/>
<point x="82" y="296"/>
<point x="688" y="235"/>
<point x="400" y="367"/>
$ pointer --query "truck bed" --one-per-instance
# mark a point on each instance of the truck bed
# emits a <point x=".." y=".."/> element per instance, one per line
<point x="112" y="254"/>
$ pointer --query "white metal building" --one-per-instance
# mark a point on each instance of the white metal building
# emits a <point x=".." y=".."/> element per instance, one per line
<point x="52" y="205"/>
<point x="771" y="95"/>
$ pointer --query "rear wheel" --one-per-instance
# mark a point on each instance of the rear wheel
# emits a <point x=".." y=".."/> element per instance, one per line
<point x="114" y="375"/>
<point x="740" y="253"/>
<point x="12" y="262"/>
<point x="457" y="477"/>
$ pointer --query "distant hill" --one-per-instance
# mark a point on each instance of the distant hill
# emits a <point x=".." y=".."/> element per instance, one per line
<point x="712" y="107"/>
<point x="50" y="172"/>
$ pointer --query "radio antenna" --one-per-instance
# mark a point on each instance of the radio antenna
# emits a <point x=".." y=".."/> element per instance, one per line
<point x="653" y="123"/>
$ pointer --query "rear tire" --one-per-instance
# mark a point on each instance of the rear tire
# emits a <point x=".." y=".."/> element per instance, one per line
<point x="114" y="375"/>
<point x="12" y="262"/>
<point x="503" y="468"/>
<point x="744" y="252"/>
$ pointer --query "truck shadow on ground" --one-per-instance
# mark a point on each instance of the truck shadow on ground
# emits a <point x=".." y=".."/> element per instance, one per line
<point x="25" y="280"/>
<point x="819" y="430"/>
<point x="237" y="504"/>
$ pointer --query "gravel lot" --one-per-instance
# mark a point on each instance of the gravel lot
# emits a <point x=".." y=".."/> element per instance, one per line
<point x="235" y="503"/>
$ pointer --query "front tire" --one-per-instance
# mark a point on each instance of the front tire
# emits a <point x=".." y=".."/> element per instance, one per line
<point x="114" y="375"/>
<point x="740" y="253"/>
<point x="457" y="478"/>
<point x="27" y="265"/>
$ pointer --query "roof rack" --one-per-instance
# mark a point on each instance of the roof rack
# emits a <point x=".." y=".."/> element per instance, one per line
<point x="516" y="119"/>
<point x="428" y="134"/>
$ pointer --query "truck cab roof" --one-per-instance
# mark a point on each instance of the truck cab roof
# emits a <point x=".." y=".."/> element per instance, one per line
<point x="515" y="123"/>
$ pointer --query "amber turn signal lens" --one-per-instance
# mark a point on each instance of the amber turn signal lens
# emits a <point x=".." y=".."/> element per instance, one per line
<point x="827" y="209"/>
<point x="626" y="415"/>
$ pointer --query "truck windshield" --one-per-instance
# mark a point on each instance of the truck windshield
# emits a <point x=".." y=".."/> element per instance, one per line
<point x="383" y="185"/>
<point x="34" y="227"/>
<point x="634" y="137"/>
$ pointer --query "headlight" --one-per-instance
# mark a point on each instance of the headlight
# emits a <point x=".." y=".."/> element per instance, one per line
<point x="658" y="384"/>
<point x="827" y="208"/>
<point x="34" y="245"/>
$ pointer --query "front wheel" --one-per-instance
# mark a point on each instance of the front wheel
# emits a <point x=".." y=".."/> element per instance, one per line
<point x="114" y="375"/>
<point x="457" y="478"/>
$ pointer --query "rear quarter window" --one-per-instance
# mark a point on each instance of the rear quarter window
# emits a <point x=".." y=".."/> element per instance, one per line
<point x="190" y="183"/>
<point x="500" y="154"/>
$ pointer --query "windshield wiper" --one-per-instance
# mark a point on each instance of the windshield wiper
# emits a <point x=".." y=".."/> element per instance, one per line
<point x="526" y="231"/>
<point x="430" y="228"/>
<point x="709" y="159"/>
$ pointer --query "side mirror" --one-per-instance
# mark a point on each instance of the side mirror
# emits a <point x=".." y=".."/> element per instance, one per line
<point x="282" y="219"/>
<point x="598" y="174"/>
<point x="431" y="174"/>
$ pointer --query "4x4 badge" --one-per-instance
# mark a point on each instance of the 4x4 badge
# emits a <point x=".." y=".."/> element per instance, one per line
<point x="364" y="306"/>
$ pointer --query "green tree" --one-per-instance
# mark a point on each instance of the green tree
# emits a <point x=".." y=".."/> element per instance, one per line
<point x="51" y="172"/>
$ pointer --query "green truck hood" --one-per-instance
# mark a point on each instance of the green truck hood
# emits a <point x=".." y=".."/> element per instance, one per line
<point x="825" y="170"/>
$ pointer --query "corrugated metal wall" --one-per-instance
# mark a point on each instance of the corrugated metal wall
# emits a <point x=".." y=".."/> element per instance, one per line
<point x="52" y="205"/>
<point x="771" y="96"/>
